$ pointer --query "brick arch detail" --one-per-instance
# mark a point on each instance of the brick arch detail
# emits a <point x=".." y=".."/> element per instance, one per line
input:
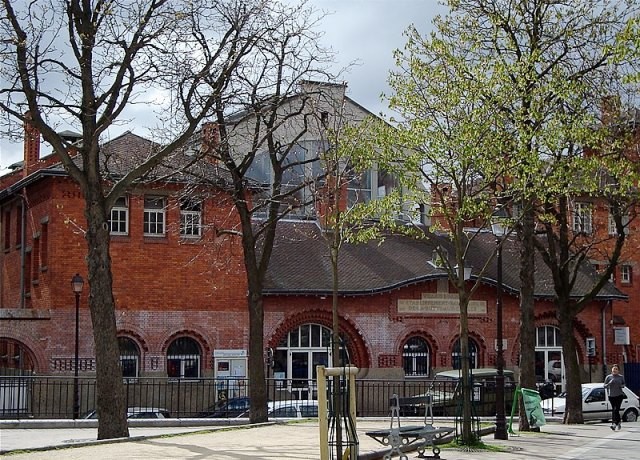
<point x="359" y="349"/>
<point x="423" y="334"/>
<point x="30" y="347"/>
<point x="584" y="332"/>
<point x="482" y="347"/>
<point x="136" y="338"/>
<point x="198" y="337"/>
<point x="549" y="318"/>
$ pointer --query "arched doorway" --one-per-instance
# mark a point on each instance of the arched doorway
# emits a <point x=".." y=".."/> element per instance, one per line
<point x="296" y="357"/>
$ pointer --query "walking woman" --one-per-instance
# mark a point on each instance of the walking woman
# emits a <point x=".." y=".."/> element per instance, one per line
<point x="614" y="382"/>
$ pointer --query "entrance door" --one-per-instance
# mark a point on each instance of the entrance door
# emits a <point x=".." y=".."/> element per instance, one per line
<point x="302" y="369"/>
<point x="549" y="362"/>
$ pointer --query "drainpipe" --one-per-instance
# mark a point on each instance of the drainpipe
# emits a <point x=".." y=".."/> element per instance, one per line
<point x="604" y="336"/>
<point x="23" y="251"/>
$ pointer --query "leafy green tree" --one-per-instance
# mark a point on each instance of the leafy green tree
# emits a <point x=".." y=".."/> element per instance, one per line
<point x="550" y="62"/>
<point x="447" y="152"/>
<point x="499" y="100"/>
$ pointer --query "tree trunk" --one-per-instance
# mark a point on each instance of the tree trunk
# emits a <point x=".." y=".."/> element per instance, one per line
<point x="527" y="317"/>
<point x="337" y="390"/>
<point x="257" y="387"/>
<point x="573" y="408"/>
<point x="110" y="397"/>
<point x="467" y="433"/>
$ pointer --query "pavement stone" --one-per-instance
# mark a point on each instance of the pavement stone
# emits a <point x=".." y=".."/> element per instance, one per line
<point x="291" y="440"/>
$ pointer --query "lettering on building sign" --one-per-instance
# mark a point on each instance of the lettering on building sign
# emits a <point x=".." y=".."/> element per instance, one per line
<point x="67" y="364"/>
<point x="439" y="303"/>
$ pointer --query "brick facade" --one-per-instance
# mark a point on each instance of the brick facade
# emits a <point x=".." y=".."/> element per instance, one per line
<point x="170" y="287"/>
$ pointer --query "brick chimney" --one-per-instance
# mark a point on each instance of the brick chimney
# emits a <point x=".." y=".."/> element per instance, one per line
<point x="31" y="147"/>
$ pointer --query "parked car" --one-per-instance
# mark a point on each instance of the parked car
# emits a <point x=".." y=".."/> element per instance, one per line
<point x="138" y="412"/>
<point x="297" y="408"/>
<point x="294" y="408"/>
<point x="595" y="404"/>
<point x="227" y="408"/>
<point x="555" y="370"/>
<point x="445" y="391"/>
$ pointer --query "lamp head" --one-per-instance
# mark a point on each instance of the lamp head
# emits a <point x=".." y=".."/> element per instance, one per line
<point x="77" y="283"/>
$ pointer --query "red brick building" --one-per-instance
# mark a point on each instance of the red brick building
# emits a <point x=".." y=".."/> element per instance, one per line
<point x="180" y="290"/>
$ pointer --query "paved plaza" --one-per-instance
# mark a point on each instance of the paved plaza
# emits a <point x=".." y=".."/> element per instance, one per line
<point x="300" y="440"/>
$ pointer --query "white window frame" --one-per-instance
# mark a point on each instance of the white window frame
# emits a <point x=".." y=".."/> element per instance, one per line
<point x="612" y="224"/>
<point x="626" y="274"/>
<point x="157" y="227"/>
<point x="119" y="215"/>
<point x="582" y="218"/>
<point x="190" y="218"/>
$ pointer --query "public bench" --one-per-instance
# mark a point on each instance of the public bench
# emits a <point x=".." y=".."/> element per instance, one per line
<point x="403" y="438"/>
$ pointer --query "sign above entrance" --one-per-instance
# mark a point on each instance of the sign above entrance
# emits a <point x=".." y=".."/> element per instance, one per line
<point x="229" y="353"/>
<point x="440" y="303"/>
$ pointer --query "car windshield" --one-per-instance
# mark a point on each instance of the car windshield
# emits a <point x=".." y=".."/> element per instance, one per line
<point x="586" y="391"/>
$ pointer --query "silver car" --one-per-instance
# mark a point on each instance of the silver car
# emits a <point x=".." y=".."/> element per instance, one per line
<point x="595" y="404"/>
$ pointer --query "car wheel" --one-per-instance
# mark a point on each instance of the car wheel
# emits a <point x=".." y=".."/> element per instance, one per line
<point x="630" y="416"/>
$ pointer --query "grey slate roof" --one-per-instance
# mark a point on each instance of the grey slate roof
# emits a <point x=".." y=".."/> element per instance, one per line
<point x="300" y="265"/>
<point x="121" y="154"/>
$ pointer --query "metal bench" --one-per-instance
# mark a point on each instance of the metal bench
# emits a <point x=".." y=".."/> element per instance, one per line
<point x="404" y="438"/>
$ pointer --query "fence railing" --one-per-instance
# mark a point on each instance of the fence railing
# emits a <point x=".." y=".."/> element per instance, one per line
<point x="46" y="397"/>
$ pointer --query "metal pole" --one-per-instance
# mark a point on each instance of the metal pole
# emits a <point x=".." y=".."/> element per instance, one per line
<point x="76" y="399"/>
<point x="501" y="422"/>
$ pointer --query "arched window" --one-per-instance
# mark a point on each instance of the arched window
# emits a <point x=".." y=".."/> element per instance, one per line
<point x="15" y="358"/>
<point x="416" y="357"/>
<point x="129" y="357"/>
<point x="473" y="355"/>
<point x="183" y="358"/>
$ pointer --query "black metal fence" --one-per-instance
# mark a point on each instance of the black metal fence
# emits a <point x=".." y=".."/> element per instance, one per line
<point x="51" y="397"/>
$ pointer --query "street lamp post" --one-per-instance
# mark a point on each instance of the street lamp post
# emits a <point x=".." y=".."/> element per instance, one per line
<point x="76" y="284"/>
<point x="501" y="422"/>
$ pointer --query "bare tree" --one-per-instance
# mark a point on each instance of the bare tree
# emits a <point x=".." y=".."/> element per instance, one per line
<point x="267" y="137"/>
<point x="85" y="63"/>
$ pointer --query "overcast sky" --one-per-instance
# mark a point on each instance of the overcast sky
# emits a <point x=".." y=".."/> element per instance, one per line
<point x="366" y="31"/>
